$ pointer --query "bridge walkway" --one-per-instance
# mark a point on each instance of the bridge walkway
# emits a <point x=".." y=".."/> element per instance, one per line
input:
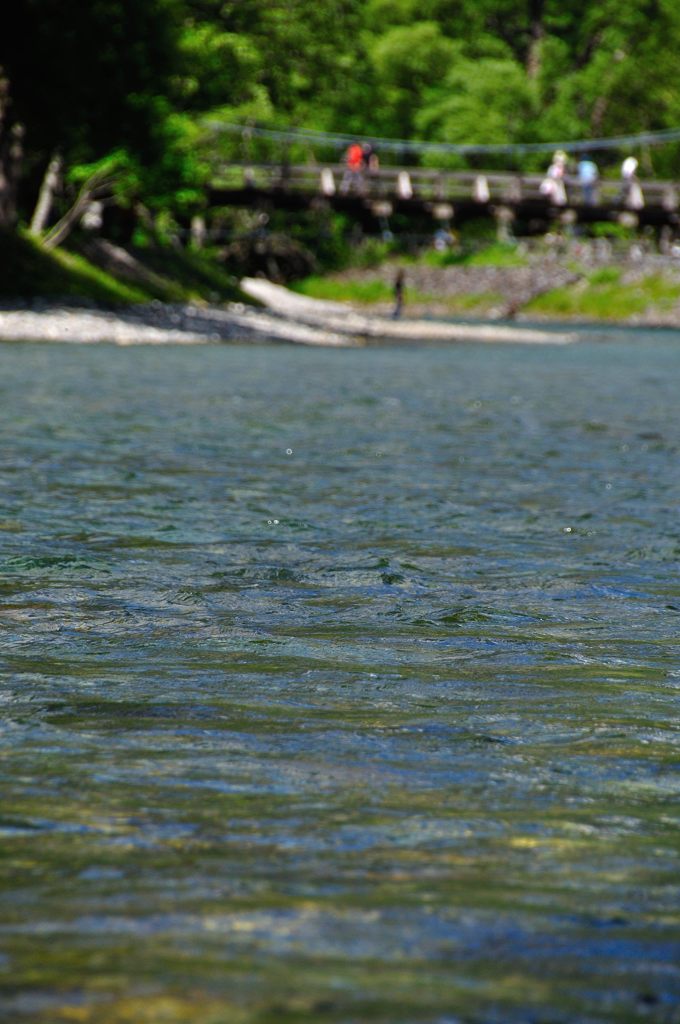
<point x="443" y="195"/>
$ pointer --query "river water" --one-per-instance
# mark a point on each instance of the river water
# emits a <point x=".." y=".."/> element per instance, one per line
<point x="340" y="686"/>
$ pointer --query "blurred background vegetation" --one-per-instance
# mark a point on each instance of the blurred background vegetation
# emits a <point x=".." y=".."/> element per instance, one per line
<point x="121" y="97"/>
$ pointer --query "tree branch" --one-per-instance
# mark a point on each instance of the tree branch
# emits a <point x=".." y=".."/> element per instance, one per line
<point x="95" y="187"/>
<point x="43" y="207"/>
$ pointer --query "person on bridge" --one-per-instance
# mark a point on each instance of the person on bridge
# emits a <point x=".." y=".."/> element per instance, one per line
<point x="371" y="162"/>
<point x="631" y="192"/>
<point x="552" y="185"/>
<point x="588" y="175"/>
<point x="353" y="177"/>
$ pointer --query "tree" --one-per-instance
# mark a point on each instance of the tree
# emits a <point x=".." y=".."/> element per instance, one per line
<point x="88" y="78"/>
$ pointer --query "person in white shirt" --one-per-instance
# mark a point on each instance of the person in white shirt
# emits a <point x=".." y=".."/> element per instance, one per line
<point x="552" y="185"/>
<point x="631" y="192"/>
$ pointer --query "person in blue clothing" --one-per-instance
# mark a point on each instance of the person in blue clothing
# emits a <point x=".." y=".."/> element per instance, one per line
<point x="588" y="175"/>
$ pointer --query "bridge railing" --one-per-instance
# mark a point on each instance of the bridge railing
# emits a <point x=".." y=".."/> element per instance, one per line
<point x="431" y="184"/>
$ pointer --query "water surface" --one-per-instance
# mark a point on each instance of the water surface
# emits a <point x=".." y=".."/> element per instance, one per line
<point x="340" y="686"/>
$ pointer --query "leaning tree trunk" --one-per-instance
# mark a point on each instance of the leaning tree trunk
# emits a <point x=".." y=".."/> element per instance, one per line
<point x="99" y="184"/>
<point x="43" y="207"/>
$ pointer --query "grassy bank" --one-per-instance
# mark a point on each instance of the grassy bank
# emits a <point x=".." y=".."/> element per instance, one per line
<point x="605" y="295"/>
<point x="92" y="272"/>
<point x="378" y="294"/>
<point x="501" y="280"/>
<point x="494" y="280"/>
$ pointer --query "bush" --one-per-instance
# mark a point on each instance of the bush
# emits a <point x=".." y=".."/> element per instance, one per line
<point x="273" y="255"/>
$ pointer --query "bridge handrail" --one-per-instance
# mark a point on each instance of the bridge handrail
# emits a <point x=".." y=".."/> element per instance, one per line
<point x="427" y="183"/>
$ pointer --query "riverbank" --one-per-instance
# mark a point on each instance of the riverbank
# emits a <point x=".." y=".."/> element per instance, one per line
<point x="578" y="282"/>
<point x="376" y="327"/>
<point x="157" y="323"/>
<point x="503" y="293"/>
<point x="281" y="316"/>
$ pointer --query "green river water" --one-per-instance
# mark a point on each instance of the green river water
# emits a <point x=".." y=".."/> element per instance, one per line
<point x="340" y="686"/>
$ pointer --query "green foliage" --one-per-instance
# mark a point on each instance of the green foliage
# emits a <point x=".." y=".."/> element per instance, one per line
<point x="474" y="302"/>
<point x="144" y="75"/>
<point x="605" y="275"/>
<point x="603" y="296"/>
<point x="194" y="275"/>
<point x="498" y="87"/>
<point x="451" y="70"/>
<point x="473" y="253"/>
<point x="138" y="85"/>
<point x="374" y="290"/>
<point x="344" y="290"/>
<point x="499" y="254"/>
<point x="87" y="78"/>
<point x="609" y="229"/>
<point x="371" y="252"/>
<point x="29" y="271"/>
<point x="409" y="60"/>
<point x="216" y="64"/>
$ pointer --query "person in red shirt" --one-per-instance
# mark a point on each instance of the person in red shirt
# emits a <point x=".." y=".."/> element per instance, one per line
<point x="353" y="177"/>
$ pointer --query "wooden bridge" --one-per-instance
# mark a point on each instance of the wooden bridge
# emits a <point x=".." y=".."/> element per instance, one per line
<point x="444" y="196"/>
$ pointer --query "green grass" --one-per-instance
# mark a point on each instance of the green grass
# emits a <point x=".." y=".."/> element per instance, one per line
<point x="344" y="291"/>
<point x="30" y="271"/>
<point x="604" y="276"/>
<point x="193" y="275"/>
<point x="602" y="296"/>
<point x="375" y="291"/>
<point x="498" y="254"/>
<point x="477" y="302"/>
<point x="662" y="292"/>
<point x="495" y="254"/>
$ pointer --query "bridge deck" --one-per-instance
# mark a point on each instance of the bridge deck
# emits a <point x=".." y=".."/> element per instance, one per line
<point x="441" y="194"/>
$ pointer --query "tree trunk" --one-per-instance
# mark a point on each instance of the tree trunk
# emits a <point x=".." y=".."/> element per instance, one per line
<point x="536" y="35"/>
<point x="198" y="231"/>
<point x="11" y="153"/>
<point x="43" y="207"/>
<point x="63" y="228"/>
<point x="95" y="186"/>
<point x="597" y="116"/>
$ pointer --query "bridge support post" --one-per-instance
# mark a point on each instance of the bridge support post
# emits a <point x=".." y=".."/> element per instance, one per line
<point x="382" y="210"/>
<point x="504" y="216"/>
<point x="567" y="219"/>
<point x="442" y="211"/>
<point x="628" y="219"/>
<point x="480" y="192"/>
<point x="670" y="198"/>
<point x="327" y="182"/>
<point x="404" y="186"/>
<point x="665" y="240"/>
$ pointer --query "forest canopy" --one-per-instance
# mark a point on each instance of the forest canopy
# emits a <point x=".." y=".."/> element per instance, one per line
<point x="141" y="78"/>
